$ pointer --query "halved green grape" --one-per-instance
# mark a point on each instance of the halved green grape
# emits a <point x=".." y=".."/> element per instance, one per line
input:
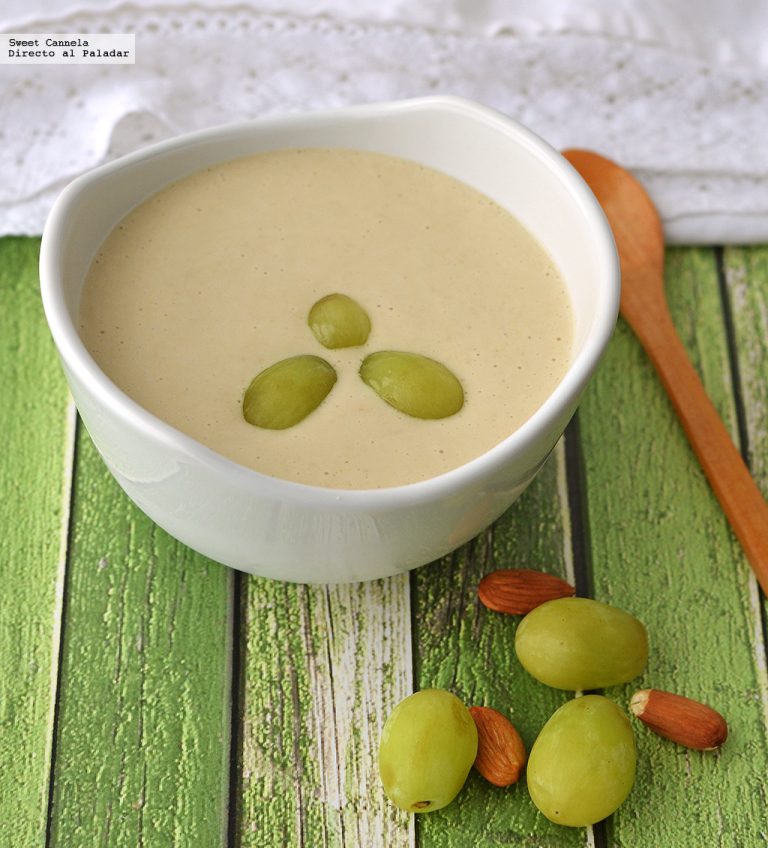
<point x="578" y="643"/>
<point x="428" y="745"/>
<point x="339" y="321"/>
<point x="582" y="765"/>
<point x="414" y="384"/>
<point x="286" y="392"/>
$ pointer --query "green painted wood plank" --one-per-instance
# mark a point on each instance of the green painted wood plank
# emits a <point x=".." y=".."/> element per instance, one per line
<point x="142" y="753"/>
<point x="323" y="666"/>
<point x="662" y="549"/>
<point x="746" y="275"/>
<point x="463" y="647"/>
<point x="36" y="423"/>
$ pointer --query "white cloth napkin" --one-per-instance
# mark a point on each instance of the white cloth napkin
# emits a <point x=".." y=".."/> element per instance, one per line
<point x="675" y="91"/>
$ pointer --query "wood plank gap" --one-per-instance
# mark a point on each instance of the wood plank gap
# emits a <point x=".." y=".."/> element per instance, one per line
<point x="59" y="624"/>
<point x="238" y="602"/>
<point x="562" y="494"/>
<point x="415" y="655"/>
<point x="733" y="358"/>
<point x="412" y="662"/>
<point x="336" y="758"/>
<point x="576" y="527"/>
<point x="580" y="547"/>
<point x="414" y="840"/>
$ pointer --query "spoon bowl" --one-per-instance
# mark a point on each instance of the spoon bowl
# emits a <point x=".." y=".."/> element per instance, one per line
<point x="637" y="230"/>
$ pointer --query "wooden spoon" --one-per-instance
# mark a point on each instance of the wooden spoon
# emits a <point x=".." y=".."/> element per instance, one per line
<point x="640" y="243"/>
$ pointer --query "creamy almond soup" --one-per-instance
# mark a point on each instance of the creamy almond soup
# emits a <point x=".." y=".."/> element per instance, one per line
<point x="210" y="281"/>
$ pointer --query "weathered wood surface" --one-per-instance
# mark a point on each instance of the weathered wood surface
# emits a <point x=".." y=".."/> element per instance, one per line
<point x="470" y="650"/>
<point x="151" y="698"/>
<point x="662" y="549"/>
<point x="323" y="666"/>
<point x="143" y="724"/>
<point x="36" y="423"/>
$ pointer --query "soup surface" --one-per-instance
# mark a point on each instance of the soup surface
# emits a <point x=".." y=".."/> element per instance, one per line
<point x="210" y="281"/>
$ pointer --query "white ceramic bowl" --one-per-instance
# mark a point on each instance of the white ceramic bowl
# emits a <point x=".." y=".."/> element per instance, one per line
<point x="304" y="533"/>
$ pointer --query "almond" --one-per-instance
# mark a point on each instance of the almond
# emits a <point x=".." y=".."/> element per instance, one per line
<point x="680" y="719"/>
<point x="500" y="750"/>
<point x="516" y="591"/>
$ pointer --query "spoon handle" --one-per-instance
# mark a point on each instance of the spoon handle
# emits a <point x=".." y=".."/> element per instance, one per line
<point x="739" y="496"/>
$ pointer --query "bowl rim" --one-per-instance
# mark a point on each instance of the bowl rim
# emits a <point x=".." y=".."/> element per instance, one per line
<point x="82" y="365"/>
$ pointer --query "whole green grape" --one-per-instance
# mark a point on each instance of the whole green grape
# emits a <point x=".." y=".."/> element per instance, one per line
<point x="578" y="643"/>
<point x="582" y="765"/>
<point x="414" y="384"/>
<point x="427" y="748"/>
<point x="285" y="393"/>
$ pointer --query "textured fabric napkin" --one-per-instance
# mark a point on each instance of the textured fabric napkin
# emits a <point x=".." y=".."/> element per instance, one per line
<point x="675" y="91"/>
